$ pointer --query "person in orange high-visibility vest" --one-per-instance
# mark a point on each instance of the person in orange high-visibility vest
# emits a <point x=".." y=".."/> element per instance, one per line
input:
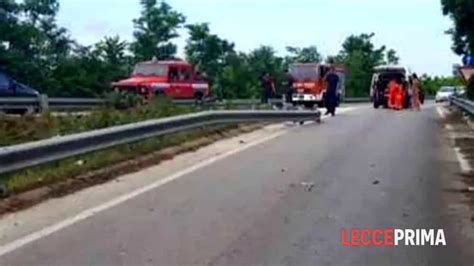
<point x="392" y="94"/>
<point x="399" y="95"/>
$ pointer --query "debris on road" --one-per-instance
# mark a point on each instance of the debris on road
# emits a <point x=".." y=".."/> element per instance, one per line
<point x="283" y="170"/>
<point x="376" y="182"/>
<point x="242" y="142"/>
<point x="308" y="185"/>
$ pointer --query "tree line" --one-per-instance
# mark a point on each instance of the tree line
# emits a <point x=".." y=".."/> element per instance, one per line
<point x="461" y="13"/>
<point x="37" y="51"/>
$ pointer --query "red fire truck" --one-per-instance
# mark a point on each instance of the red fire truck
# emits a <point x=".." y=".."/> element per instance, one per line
<point x="309" y="86"/>
<point x="173" y="78"/>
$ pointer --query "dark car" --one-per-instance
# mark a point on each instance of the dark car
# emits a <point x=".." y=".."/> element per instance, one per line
<point x="12" y="88"/>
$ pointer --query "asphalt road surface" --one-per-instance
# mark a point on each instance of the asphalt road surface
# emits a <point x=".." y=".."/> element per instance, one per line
<point x="284" y="202"/>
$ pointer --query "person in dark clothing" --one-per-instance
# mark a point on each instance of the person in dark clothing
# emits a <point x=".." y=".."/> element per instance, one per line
<point x="267" y="86"/>
<point x="332" y="84"/>
<point x="288" y="85"/>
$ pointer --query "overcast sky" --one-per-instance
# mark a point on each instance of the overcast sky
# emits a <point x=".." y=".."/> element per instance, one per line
<point x="414" y="28"/>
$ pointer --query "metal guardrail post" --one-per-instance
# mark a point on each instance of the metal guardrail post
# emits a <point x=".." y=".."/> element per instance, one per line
<point x="43" y="102"/>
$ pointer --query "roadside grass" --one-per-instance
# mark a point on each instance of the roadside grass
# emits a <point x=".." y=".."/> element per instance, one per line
<point x="71" y="168"/>
<point x="21" y="129"/>
<point x="15" y="130"/>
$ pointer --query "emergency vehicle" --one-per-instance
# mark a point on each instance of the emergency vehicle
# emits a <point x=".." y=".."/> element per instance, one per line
<point x="173" y="78"/>
<point x="379" y="86"/>
<point x="309" y="86"/>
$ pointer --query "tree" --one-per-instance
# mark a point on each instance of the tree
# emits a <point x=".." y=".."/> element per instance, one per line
<point x="9" y="28"/>
<point x="304" y="55"/>
<point x="462" y="14"/>
<point x="431" y="85"/>
<point x="392" y="57"/>
<point x="360" y="56"/>
<point x="206" y="51"/>
<point x="264" y="59"/>
<point x="154" y="30"/>
<point x="114" y="61"/>
<point x="112" y="50"/>
<point x="35" y="42"/>
<point x="236" y="77"/>
<point x="358" y="78"/>
<point x="334" y="59"/>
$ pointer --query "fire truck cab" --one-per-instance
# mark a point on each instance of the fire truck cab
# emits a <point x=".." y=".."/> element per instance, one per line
<point x="173" y="78"/>
<point x="309" y="86"/>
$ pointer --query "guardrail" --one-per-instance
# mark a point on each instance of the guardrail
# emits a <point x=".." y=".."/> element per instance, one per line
<point x="356" y="100"/>
<point x="44" y="103"/>
<point x="465" y="104"/>
<point x="13" y="158"/>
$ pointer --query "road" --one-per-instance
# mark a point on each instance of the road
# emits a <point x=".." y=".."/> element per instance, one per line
<point x="370" y="169"/>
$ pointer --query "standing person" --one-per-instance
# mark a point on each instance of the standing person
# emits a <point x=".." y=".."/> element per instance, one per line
<point x="330" y="98"/>
<point x="409" y="87"/>
<point x="288" y="85"/>
<point x="399" y="95"/>
<point x="415" y="87"/>
<point x="392" y="94"/>
<point x="267" y="86"/>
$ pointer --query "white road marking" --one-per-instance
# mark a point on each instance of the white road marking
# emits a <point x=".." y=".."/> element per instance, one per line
<point x="21" y="242"/>
<point x="441" y="112"/>
<point x="463" y="163"/>
<point x="91" y="212"/>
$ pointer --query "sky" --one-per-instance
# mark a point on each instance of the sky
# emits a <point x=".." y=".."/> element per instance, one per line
<point x="414" y="28"/>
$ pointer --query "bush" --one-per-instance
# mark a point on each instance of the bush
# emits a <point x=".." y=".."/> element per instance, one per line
<point x="122" y="100"/>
